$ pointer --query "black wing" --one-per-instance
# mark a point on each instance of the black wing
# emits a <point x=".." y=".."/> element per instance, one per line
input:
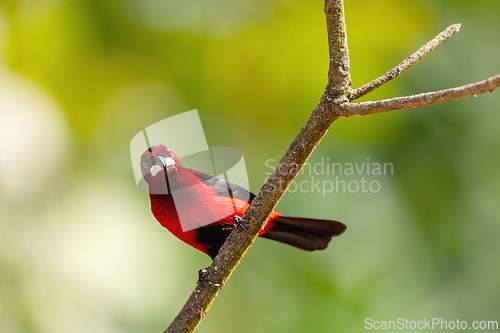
<point x="224" y="187"/>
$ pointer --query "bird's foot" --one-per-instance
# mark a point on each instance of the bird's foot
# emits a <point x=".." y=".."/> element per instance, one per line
<point x="238" y="222"/>
<point x="202" y="277"/>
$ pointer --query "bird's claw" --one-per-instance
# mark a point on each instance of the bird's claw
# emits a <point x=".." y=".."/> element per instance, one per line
<point x="238" y="222"/>
<point x="202" y="273"/>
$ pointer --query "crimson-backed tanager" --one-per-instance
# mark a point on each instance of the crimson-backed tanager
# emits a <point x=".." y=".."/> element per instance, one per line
<point x="201" y="210"/>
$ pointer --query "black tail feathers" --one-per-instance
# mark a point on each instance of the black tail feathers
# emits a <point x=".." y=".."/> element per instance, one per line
<point x="305" y="233"/>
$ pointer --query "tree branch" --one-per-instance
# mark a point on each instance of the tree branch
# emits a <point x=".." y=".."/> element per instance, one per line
<point x="271" y="192"/>
<point x="405" y="64"/>
<point x="339" y="79"/>
<point x="413" y="101"/>
<point x="334" y="103"/>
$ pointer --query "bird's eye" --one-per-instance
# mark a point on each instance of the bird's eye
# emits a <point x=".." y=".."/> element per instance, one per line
<point x="144" y="165"/>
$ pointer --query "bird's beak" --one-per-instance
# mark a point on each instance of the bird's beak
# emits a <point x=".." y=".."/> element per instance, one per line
<point x="165" y="163"/>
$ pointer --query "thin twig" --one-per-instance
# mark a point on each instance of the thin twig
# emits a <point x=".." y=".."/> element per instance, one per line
<point x="413" y="101"/>
<point x="405" y="64"/>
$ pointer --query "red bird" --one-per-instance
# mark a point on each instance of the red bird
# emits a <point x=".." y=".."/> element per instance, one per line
<point x="202" y="210"/>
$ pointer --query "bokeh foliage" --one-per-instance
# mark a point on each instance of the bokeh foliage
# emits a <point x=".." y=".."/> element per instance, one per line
<point x="80" y="250"/>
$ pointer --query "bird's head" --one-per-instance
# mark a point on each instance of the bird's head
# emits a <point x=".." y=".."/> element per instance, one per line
<point x="158" y="163"/>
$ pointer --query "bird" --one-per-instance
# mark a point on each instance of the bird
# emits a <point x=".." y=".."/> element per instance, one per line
<point x="202" y="210"/>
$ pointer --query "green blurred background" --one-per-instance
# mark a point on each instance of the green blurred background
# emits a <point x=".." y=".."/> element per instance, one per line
<point x="79" y="248"/>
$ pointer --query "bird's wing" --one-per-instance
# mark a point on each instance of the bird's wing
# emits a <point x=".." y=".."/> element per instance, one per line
<point x="224" y="187"/>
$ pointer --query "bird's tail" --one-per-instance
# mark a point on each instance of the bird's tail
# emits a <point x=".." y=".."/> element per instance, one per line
<point x="304" y="233"/>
